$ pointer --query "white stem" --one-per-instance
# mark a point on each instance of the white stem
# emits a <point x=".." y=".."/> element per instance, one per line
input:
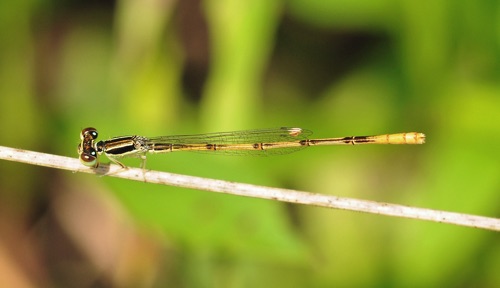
<point x="241" y="189"/>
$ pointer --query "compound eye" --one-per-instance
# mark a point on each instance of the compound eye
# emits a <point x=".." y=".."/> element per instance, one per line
<point x="89" y="158"/>
<point x="89" y="132"/>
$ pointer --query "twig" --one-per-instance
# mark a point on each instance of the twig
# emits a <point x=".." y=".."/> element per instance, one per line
<point x="285" y="195"/>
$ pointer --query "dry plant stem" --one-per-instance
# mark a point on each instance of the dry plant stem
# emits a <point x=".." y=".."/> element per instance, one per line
<point x="285" y="195"/>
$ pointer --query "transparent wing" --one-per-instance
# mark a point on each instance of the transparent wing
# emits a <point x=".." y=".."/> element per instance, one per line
<point x="273" y="135"/>
<point x="283" y="134"/>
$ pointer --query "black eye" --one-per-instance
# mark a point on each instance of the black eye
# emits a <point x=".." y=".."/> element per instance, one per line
<point x="89" y="132"/>
<point x="89" y="158"/>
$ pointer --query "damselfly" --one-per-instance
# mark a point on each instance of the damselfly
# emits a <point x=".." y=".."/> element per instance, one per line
<point x="249" y="142"/>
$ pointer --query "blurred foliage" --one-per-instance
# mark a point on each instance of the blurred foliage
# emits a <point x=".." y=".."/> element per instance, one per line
<point x="340" y="68"/>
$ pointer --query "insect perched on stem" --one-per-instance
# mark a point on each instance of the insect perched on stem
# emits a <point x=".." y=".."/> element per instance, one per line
<point x="248" y="142"/>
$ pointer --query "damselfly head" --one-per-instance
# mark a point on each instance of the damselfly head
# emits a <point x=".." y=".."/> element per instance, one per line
<point x="86" y="150"/>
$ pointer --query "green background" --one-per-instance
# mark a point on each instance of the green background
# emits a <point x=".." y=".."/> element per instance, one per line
<point x="339" y="68"/>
